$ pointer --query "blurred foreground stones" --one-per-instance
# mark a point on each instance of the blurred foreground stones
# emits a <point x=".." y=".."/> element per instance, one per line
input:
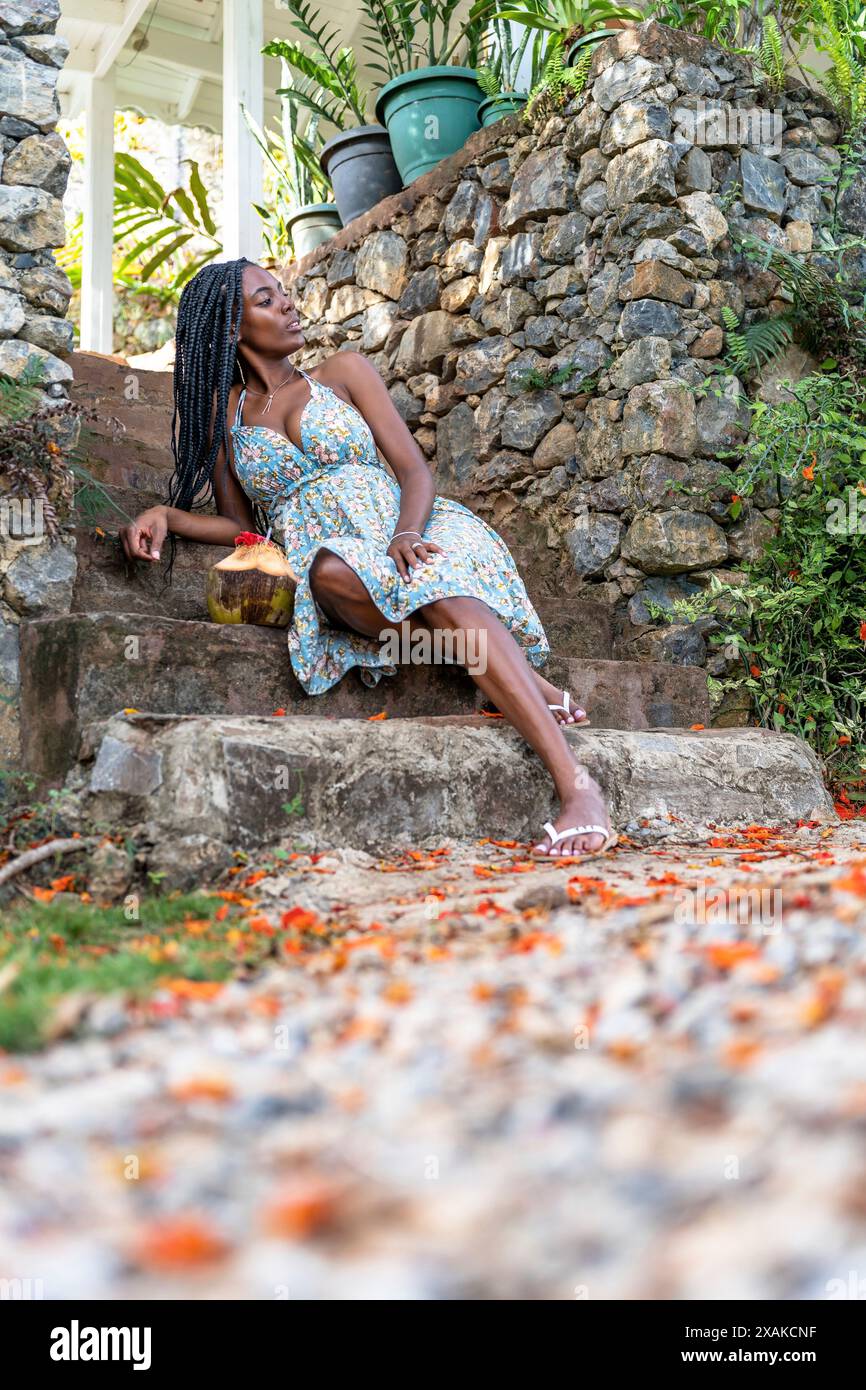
<point x="485" y="1081"/>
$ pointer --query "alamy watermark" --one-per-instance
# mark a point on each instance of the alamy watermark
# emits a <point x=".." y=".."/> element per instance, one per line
<point x="846" y="516"/>
<point x="736" y="906"/>
<point x="854" y="1287"/>
<point x="21" y="1290"/>
<point x="22" y="518"/>
<point x="435" y="646"/>
<point x="719" y="125"/>
<point x="77" y="1343"/>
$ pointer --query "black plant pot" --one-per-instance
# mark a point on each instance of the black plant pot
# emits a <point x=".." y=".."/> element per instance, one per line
<point x="361" y="169"/>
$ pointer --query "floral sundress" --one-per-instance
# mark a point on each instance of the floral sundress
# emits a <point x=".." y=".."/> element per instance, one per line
<point x="335" y="494"/>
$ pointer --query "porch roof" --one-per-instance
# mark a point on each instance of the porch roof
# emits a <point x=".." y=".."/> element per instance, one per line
<point x="167" y="55"/>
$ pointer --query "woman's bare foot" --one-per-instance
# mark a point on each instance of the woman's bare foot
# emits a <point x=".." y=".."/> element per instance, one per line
<point x="553" y="696"/>
<point x="584" y="806"/>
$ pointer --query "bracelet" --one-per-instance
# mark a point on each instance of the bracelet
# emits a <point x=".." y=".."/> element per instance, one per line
<point x="405" y="533"/>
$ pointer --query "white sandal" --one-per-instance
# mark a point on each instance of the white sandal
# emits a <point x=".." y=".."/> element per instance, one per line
<point x="610" y="839"/>
<point x="567" y="710"/>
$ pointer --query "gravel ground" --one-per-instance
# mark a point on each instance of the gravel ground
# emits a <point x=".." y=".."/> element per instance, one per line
<point x="639" y="1077"/>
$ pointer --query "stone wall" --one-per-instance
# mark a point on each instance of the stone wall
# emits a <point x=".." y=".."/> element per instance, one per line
<point x="35" y="576"/>
<point x="598" y="246"/>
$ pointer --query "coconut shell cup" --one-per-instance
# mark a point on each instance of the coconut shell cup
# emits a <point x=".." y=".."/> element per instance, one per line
<point x="255" y="584"/>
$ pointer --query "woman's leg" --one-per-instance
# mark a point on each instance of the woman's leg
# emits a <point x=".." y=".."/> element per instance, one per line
<point x="510" y="682"/>
<point x="346" y="603"/>
<point x="335" y="585"/>
<point x="507" y="679"/>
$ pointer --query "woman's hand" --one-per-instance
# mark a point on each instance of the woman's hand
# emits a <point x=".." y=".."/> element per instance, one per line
<point x="142" y="539"/>
<point x="409" y="551"/>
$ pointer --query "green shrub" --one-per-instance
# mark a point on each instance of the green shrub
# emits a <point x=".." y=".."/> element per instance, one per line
<point x="798" y="623"/>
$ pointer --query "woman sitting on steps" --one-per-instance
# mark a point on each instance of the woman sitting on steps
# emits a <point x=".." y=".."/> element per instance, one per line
<point x="369" y="552"/>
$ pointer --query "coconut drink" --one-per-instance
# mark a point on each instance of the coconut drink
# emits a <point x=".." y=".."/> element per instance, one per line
<point x="255" y="584"/>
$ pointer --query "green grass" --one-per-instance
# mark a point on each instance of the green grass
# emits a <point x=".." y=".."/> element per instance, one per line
<point x="67" y="946"/>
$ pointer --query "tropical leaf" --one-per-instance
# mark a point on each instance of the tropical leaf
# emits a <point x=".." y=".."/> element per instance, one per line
<point x="138" y="250"/>
<point x="163" y="255"/>
<point x="199" y="192"/>
<point x="171" y="218"/>
<point x="331" y="66"/>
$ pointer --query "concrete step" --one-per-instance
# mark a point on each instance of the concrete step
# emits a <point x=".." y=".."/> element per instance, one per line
<point x="219" y="784"/>
<point x="80" y="666"/>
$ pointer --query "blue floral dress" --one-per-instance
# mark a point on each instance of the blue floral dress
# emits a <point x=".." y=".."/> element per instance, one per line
<point x="335" y="493"/>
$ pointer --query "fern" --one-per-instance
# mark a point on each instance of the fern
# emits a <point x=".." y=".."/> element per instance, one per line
<point x="558" y="78"/>
<point x="845" y="83"/>
<point x="752" y="346"/>
<point x="503" y="57"/>
<point x="487" y="78"/>
<point x="822" y="316"/>
<point x="19" y="397"/>
<point x="535" y="378"/>
<point x="769" y="67"/>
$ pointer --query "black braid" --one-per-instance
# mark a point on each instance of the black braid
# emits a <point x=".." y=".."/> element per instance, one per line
<point x="208" y="323"/>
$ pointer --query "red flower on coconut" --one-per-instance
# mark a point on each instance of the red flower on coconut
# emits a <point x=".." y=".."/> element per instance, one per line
<point x="250" y="538"/>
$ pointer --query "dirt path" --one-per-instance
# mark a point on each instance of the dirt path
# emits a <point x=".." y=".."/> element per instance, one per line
<point x="642" y="1077"/>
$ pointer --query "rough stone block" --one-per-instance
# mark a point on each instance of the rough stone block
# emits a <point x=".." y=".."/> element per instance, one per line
<point x="659" y="417"/>
<point x="378" y="786"/>
<point x="674" y="542"/>
<point x="643" y="174"/>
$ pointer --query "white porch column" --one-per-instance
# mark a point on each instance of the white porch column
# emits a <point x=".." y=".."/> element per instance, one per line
<point x="97" y="333"/>
<point x="243" y="82"/>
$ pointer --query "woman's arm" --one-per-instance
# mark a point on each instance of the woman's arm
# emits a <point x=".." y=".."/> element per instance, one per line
<point x="142" y="539"/>
<point x="394" y="439"/>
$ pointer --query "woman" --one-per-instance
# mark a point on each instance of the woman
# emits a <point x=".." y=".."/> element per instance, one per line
<point x="369" y="552"/>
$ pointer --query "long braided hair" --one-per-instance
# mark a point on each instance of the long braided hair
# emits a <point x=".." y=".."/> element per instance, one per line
<point x="208" y="323"/>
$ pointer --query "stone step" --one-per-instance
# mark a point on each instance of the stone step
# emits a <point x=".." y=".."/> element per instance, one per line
<point x="213" y="785"/>
<point x="126" y="449"/>
<point x="127" y="412"/>
<point x="115" y="501"/>
<point x="80" y="666"/>
<point x="125" y="444"/>
<point x="107" y="582"/>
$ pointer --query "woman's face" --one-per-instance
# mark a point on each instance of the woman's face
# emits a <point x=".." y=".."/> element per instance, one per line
<point x="270" y="323"/>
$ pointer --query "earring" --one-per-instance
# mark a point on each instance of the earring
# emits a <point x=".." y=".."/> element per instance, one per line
<point x="241" y="370"/>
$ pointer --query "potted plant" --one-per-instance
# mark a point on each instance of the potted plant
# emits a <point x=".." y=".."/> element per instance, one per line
<point x="429" y="102"/>
<point x="296" y="220"/>
<point x="498" y="75"/>
<point x="572" y="24"/>
<point x="357" y="160"/>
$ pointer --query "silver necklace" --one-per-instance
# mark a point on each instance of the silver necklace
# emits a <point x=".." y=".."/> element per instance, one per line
<point x="270" y="394"/>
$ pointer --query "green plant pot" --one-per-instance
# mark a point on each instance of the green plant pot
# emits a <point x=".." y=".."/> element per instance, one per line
<point x="503" y="104"/>
<point x="312" y="224"/>
<point x="587" y="40"/>
<point x="429" y="114"/>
